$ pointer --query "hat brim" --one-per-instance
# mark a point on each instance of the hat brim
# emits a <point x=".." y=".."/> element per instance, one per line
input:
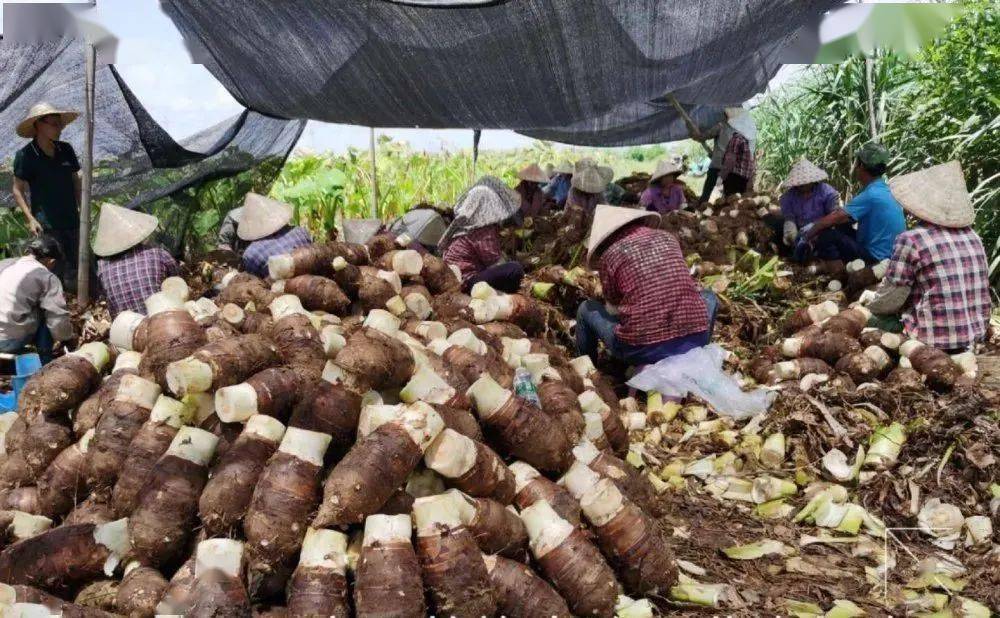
<point x="597" y="245"/>
<point x="937" y="195"/>
<point x="106" y="245"/>
<point x="656" y="177"/>
<point x="26" y="128"/>
<point x="251" y="230"/>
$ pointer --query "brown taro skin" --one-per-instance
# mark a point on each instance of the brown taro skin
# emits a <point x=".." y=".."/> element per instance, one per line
<point x="31" y="451"/>
<point x="455" y="574"/>
<point x="329" y="408"/>
<point x="278" y="390"/>
<point x="461" y="421"/>
<point x="318" y="591"/>
<point x="234" y="360"/>
<point x="318" y="293"/>
<point x="173" y="335"/>
<point x="561" y="501"/>
<point x="521" y="593"/>
<point x="149" y="444"/>
<point x="488" y="477"/>
<point x="560" y="402"/>
<point x="140" y="591"/>
<point x="218" y="595"/>
<point x="576" y="569"/>
<point x="388" y="583"/>
<point x="638" y="551"/>
<point x="367" y="476"/>
<point x="299" y="345"/>
<point x="56" y="561"/>
<point x="498" y="530"/>
<point x="525" y="432"/>
<point x="227" y="494"/>
<point x="167" y="511"/>
<point x="109" y="447"/>
<point x="377" y="358"/>
<point x="62" y="483"/>
<point x="58" y="387"/>
<point x="90" y="411"/>
<point x="629" y="481"/>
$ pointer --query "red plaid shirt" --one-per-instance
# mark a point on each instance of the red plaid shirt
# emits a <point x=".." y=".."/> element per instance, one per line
<point x="949" y="307"/>
<point x="643" y="272"/>
<point x="477" y="250"/>
<point x="131" y="277"/>
<point x="739" y="160"/>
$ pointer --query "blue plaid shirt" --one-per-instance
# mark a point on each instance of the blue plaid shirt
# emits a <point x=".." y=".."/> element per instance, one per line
<point x="282" y="241"/>
<point x="132" y="276"/>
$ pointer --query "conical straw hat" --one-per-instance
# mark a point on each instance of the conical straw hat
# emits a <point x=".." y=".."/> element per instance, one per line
<point x="936" y="195"/>
<point x="119" y="229"/>
<point x="804" y="172"/>
<point x="665" y="168"/>
<point x="564" y="167"/>
<point x="262" y="217"/>
<point x="533" y="173"/>
<point x="607" y="173"/>
<point x="610" y="219"/>
<point x="589" y="179"/>
<point x="26" y="128"/>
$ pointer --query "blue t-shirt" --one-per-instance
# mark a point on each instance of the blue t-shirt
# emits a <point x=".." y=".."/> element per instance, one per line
<point x="880" y="219"/>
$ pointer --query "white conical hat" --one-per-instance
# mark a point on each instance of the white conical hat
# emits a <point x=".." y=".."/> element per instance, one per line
<point x="665" y="168"/>
<point x="607" y="173"/>
<point x="804" y="172"/>
<point x="262" y="216"/>
<point x="532" y="173"/>
<point x="610" y="219"/>
<point x="564" y="167"/>
<point x="119" y="229"/>
<point x="589" y="179"/>
<point x="26" y="128"/>
<point x="936" y="195"/>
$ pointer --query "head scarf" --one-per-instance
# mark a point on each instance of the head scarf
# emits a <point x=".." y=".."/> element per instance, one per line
<point x="487" y="202"/>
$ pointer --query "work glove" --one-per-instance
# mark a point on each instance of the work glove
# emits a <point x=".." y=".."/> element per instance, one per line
<point x="791" y="233"/>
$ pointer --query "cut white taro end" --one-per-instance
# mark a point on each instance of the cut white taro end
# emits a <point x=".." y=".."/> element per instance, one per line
<point x="886" y="443"/>
<point x="418" y="305"/>
<point x="176" y="287"/>
<point x="978" y="530"/>
<point x="265" y="427"/>
<point x="504" y="307"/>
<point x="422" y="423"/>
<point x="601" y="502"/>
<point x="438" y="346"/>
<point x="941" y="520"/>
<point x="583" y="366"/>
<point x="278" y="287"/>
<point x="332" y="338"/>
<point x="432" y="330"/>
<point x="772" y="453"/>
<point x="375" y="415"/>
<point x="225" y="555"/>
<point x="467" y="339"/>
<point x="25" y="525"/>
<point x="427" y="385"/>
<point x="488" y="396"/>
<point x="484" y="310"/>
<point x="891" y="341"/>
<point x="482" y="290"/>
<point x="546" y="530"/>
<point x="626" y="607"/>
<point x="382" y="321"/>
<point x="579" y="479"/>
<point x="834" y="286"/>
<point x="396" y="305"/>
<point x="96" y="352"/>
<point x="138" y="391"/>
<point x="822" y="311"/>
<point x="309" y="446"/>
<point x="537" y="364"/>
<point x="236" y="403"/>
<point x="232" y="313"/>
<point x="201" y="309"/>
<point x="387" y="530"/>
<point x="464" y="506"/>
<point x="514" y="350"/>
<point x="905" y="363"/>
<point x="451" y="455"/>
<point x="879" y="356"/>
<point x="635" y="421"/>
<point x="591" y="402"/>
<point x="586" y="452"/>
<point x="160" y="302"/>
<point x="339" y="263"/>
<point x="169" y="411"/>
<point x="424" y="482"/>
<point x="791" y="347"/>
<point x="593" y="427"/>
<point x="407" y="263"/>
<point x="227" y="278"/>
<point x="123" y="329"/>
<point x="127" y="360"/>
<point x="855" y="266"/>
<point x="335" y="374"/>
<point x="434" y="515"/>
<point x="523" y="474"/>
<point x="767" y="488"/>
<point x="393" y="279"/>
<point x="113" y="536"/>
<point x="201" y="404"/>
<point x="27" y="610"/>
<point x="284" y="305"/>
<point x="281" y="266"/>
<point x="193" y="444"/>
<point x="372" y="398"/>
<point x="189" y="375"/>
<point x="966" y="361"/>
<point x="325" y="549"/>
<point x="907" y="348"/>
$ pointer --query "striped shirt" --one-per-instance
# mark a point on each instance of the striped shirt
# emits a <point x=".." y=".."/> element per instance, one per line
<point x="477" y="250"/>
<point x="283" y="241"/>
<point x="947" y="271"/>
<point x="131" y="277"/>
<point x="644" y="274"/>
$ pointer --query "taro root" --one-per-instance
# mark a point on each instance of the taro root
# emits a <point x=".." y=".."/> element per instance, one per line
<point x="387" y="581"/>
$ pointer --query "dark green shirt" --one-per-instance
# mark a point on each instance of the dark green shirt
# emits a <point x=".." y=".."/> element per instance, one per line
<point x="50" y="180"/>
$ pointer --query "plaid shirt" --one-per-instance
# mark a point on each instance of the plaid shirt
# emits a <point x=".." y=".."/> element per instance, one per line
<point x="282" y="241"/>
<point x="477" y="250"/>
<point x="946" y="269"/>
<point x="129" y="278"/>
<point x="739" y="160"/>
<point x="643" y="272"/>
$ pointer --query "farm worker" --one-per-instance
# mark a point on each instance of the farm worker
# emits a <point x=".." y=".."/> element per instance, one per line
<point x="472" y="241"/>
<point x="32" y="304"/>
<point x="533" y="198"/>
<point x="129" y="267"/>
<point x="665" y="192"/>
<point x="878" y="215"/>
<point x="588" y="185"/>
<point x="723" y="133"/>
<point x="264" y="224"/>
<point x="47" y="176"/>
<point x="739" y="164"/>
<point x="938" y="275"/>
<point x="807" y="199"/>
<point x="228" y="240"/>
<point x="658" y="309"/>
<point x="559" y="185"/>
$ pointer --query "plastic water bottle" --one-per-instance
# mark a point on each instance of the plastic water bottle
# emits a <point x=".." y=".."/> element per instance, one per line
<point x="524" y="387"/>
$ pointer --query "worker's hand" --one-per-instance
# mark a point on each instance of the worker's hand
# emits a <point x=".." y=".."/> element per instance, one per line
<point x="34" y="227"/>
<point x="867" y="296"/>
<point x="791" y="234"/>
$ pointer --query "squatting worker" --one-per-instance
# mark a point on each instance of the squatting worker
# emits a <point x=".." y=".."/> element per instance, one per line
<point x="878" y="215"/>
<point x="530" y="187"/>
<point x="659" y="310"/>
<point x="665" y="192"/>
<point x="588" y="185"/>
<point x="938" y="275"/>
<point x="228" y="239"/>
<point x="472" y="241"/>
<point x="264" y="224"/>
<point x="47" y="183"/>
<point x="806" y="200"/>
<point x="559" y="184"/>
<point x="32" y="305"/>
<point x="130" y="266"/>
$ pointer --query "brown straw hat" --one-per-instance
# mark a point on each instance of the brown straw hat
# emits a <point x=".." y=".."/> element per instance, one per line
<point x="26" y="128"/>
<point x="937" y="195"/>
<point x="262" y="216"/>
<point x="532" y="173"/>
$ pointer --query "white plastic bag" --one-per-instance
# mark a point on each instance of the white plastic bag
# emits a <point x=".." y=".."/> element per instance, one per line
<point x="699" y="372"/>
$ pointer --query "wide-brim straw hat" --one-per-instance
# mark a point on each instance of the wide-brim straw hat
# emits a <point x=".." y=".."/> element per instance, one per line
<point x="532" y="173"/>
<point x="589" y="180"/>
<point x="665" y="168"/>
<point x="937" y="195"/>
<point x="26" y="128"/>
<point x="262" y="216"/>
<point x="564" y="167"/>
<point x="804" y="172"/>
<point x="610" y="219"/>
<point x="119" y="229"/>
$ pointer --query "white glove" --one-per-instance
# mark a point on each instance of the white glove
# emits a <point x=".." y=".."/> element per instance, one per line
<point x="867" y="296"/>
<point x="791" y="233"/>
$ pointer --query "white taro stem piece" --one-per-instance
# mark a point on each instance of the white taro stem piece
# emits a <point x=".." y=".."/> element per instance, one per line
<point x="278" y="287"/>
<point x="281" y="266"/>
<point x="835" y="463"/>
<point x="420" y="421"/>
<point x="189" y="375"/>
<point x="333" y="340"/>
<point x="123" y="329"/>
<point x="407" y="263"/>
<point x="488" y="396"/>
<point x="634" y="421"/>
<point x="308" y="446"/>
<point x="978" y="530"/>
<point x="772" y="453"/>
<point x="427" y="385"/>
<point x="583" y="366"/>
<point x="26" y="610"/>
<point x="891" y="341"/>
<point x="523" y="474"/>
<point x="418" y="305"/>
<point x="387" y="530"/>
<point x="396" y="305"/>
<point x="114" y="536"/>
<point x="484" y="310"/>
<point x="393" y="279"/>
<point x="601" y="502"/>
<point x="286" y="304"/>
<point x="591" y="402"/>
<point x="514" y="350"/>
<point x="579" y="479"/>
<point x="834" y="286"/>
<point x="138" y="391"/>
<point x="382" y="321"/>
<point x="879" y="356"/>
<point x="451" y="455"/>
<point x="967" y="363"/>
<point x="127" y="360"/>
<point x="482" y="290"/>
<point x="374" y="416"/>
<point x="435" y="515"/>
<point x="880" y="269"/>
<point x="538" y="365"/>
<point x="225" y="555"/>
<point x="586" y="452"/>
<point x="236" y="403"/>
<point x="325" y="549"/>
<point x="169" y="411"/>
<point x="201" y="404"/>
<point x="201" y="309"/>
<point x="432" y="330"/>
<point x="96" y="352"/>
<point x="25" y="525"/>
<point x="593" y="428"/>
<point x="265" y="427"/>
<point x="193" y="444"/>
<point x="232" y="313"/>
<point x="822" y="311"/>
<point x="160" y="302"/>
<point x="907" y="348"/>
<point x="176" y="287"/>
<point x="438" y="346"/>
<point x="467" y="339"/>
<point x="767" y="488"/>
<point x="791" y="347"/>
<point x="855" y="266"/>
<point x="546" y="529"/>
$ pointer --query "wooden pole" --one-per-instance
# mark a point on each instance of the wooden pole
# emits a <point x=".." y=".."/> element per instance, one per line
<point x="83" y="256"/>
<point x="691" y="126"/>
<point x="476" y="135"/>
<point x="371" y="146"/>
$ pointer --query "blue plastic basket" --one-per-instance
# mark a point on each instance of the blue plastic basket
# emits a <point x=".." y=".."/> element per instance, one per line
<point x="25" y="365"/>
